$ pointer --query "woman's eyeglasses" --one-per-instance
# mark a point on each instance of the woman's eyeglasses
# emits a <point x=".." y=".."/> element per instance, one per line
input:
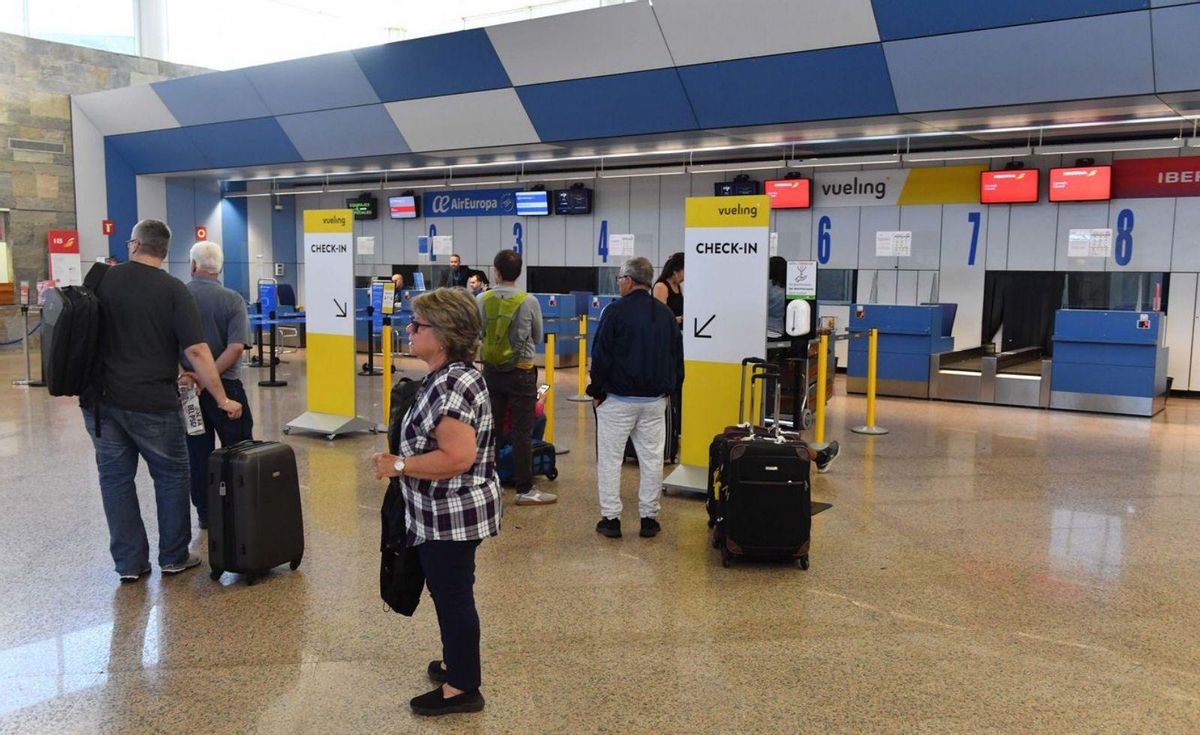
<point x="418" y="326"/>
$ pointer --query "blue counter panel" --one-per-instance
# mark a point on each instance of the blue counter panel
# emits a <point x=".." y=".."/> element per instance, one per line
<point x="896" y="319"/>
<point x="1102" y="355"/>
<point x="1105" y="381"/>
<point x="1077" y="325"/>
<point x="893" y="366"/>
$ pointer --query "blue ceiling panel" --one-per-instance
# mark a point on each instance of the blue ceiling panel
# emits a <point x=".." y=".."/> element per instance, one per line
<point x="605" y="107"/>
<point x="210" y="98"/>
<point x="429" y="67"/>
<point x="1083" y="58"/>
<point x="345" y="133"/>
<point x="1175" y="32"/>
<point x="315" y="83"/>
<point x="157" y="151"/>
<point x="243" y="143"/>
<point x="813" y="85"/>
<point x="899" y="19"/>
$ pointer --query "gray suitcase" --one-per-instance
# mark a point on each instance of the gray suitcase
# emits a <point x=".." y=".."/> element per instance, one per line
<point x="254" y="518"/>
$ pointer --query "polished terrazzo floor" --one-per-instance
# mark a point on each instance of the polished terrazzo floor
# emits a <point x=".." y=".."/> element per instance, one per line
<point x="982" y="570"/>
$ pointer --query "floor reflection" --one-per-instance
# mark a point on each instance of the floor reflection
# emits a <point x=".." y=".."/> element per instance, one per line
<point x="1085" y="543"/>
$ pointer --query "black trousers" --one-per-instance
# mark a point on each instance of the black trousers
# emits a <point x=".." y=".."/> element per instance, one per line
<point x="449" y="568"/>
<point x="217" y="424"/>
<point x="515" y="390"/>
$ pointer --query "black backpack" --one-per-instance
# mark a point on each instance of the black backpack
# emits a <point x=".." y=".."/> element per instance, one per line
<point x="71" y="317"/>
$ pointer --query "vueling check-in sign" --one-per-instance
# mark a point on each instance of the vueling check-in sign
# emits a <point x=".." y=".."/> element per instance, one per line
<point x="727" y="245"/>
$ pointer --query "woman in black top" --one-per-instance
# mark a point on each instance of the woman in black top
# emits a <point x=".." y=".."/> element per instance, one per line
<point x="669" y="286"/>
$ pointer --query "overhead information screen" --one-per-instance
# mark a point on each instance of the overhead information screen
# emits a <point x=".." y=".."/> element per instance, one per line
<point x="402" y="207"/>
<point x="1018" y="186"/>
<point x="363" y="207"/>
<point x="1087" y="184"/>
<point x="789" y="193"/>
<point x="533" y="202"/>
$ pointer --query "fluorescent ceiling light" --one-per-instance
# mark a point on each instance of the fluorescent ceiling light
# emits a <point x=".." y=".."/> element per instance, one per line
<point x="1102" y="147"/>
<point x="626" y="173"/>
<point x="403" y="185"/>
<point x="712" y="168"/>
<point x="580" y="176"/>
<point x="967" y="153"/>
<point x="245" y="194"/>
<point x="373" y="186"/>
<point x="844" y="161"/>
<point x="484" y="180"/>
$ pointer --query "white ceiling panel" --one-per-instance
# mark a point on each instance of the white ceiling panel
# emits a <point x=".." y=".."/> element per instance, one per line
<point x="612" y="40"/>
<point x="474" y="120"/>
<point x="126" y="110"/>
<point x="702" y="31"/>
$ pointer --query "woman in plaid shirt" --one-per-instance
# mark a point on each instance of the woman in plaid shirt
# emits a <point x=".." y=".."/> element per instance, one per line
<point x="447" y="468"/>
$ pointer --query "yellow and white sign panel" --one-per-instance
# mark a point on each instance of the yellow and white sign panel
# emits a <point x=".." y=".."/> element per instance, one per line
<point x="727" y="246"/>
<point x="329" y="308"/>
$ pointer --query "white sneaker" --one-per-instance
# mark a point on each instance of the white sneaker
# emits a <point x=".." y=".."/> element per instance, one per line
<point x="182" y="566"/>
<point x="536" y="497"/>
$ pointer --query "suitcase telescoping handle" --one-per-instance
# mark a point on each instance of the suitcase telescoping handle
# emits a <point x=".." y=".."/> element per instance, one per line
<point x="769" y="374"/>
<point x="757" y="362"/>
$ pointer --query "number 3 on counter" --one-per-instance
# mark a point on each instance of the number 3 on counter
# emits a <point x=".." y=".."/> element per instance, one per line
<point x="824" y="241"/>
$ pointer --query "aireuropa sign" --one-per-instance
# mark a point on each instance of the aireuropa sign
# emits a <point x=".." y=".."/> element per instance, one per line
<point x="472" y="203"/>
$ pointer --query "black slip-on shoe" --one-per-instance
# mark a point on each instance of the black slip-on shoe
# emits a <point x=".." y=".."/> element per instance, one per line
<point x="436" y="673"/>
<point x="650" y="528"/>
<point x="610" y="527"/>
<point x="432" y="704"/>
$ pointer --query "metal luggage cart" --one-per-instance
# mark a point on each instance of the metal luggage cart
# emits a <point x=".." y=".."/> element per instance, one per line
<point x="799" y="381"/>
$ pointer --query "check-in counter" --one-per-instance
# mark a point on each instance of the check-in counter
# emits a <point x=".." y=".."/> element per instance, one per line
<point x="1110" y="362"/>
<point x="908" y="337"/>
<point x="981" y="375"/>
<point x="959" y="375"/>
<point x="559" y="317"/>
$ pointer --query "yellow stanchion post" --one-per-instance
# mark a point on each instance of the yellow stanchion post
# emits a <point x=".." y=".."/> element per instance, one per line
<point x="551" y="353"/>
<point x="872" y="364"/>
<point x="387" y="370"/>
<point x="582" y="397"/>
<point x="822" y="376"/>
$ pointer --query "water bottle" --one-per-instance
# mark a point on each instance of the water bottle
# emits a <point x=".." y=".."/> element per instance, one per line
<point x="189" y="402"/>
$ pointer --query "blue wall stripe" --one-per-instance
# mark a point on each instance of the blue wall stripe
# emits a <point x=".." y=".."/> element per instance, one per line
<point x="211" y="98"/>
<point x="121" y="183"/>
<point x="243" y="143"/>
<point x="158" y="151"/>
<point x="815" y="85"/>
<point x="235" y="239"/>
<point x="429" y="67"/>
<point x="602" y="107"/>
<point x="1085" y="58"/>
<point x="899" y="19"/>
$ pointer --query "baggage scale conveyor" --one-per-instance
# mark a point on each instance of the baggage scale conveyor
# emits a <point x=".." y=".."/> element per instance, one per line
<point x="1018" y="377"/>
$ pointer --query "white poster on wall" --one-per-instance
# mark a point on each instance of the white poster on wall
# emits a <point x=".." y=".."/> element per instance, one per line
<point x="442" y="244"/>
<point x="893" y="244"/>
<point x="366" y="246"/>
<point x="1089" y="243"/>
<point x="774" y="247"/>
<point x="66" y="269"/>
<point x="620" y="246"/>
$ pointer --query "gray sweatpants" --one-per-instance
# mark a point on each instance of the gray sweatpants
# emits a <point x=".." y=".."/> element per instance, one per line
<point x="645" y="425"/>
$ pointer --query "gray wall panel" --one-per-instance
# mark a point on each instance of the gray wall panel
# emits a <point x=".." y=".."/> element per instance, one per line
<point x="673" y="190"/>
<point x="997" y="236"/>
<point x="643" y="218"/>
<point x="843" y="235"/>
<point x="873" y="220"/>
<point x="1185" y="250"/>
<point x="795" y="230"/>
<point x="612" y="204"/>
<point x="925" y="223"/>
<point x="1031" y="237"/>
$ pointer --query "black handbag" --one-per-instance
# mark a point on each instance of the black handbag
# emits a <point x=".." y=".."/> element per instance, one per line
<point x="401" y="579"/>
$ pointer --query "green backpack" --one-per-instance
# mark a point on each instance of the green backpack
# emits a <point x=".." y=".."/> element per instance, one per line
<point x="498" y="313"/>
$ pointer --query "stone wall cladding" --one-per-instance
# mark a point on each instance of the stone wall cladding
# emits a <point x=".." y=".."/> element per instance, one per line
<point x="36" y="81"/>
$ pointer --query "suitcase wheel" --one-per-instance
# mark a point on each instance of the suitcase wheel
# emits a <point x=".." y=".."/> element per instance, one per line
<point x="295" y="564"/>
<point x="251" y="579"/>
<point x="802" y="561"/>
<point x="552" y="474"/>
<point x="286" y="430"/>
<point x="215" y="574"/>
<point x="726" y="562"/>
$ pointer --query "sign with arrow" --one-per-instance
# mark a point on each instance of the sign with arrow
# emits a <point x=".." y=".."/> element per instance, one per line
<point x="698" y="328"/>
<point x="329" y="272"/>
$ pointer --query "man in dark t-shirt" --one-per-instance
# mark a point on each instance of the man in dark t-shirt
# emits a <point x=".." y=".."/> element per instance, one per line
<point x="148" y="318"/>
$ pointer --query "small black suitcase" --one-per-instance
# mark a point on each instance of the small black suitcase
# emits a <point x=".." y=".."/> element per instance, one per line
<point x="254" y="517"/>
<point x="760" y="493"/>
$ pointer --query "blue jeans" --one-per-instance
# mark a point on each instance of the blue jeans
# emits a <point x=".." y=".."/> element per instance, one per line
<point x="159" y="439"/>
<point x="217" y="424"/>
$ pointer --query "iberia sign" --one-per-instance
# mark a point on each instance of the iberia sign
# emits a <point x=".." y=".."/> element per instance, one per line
<point x="1141" y="178"/>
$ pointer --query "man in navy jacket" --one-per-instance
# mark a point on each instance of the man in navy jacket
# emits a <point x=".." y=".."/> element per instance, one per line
<point x="637" y="363"/>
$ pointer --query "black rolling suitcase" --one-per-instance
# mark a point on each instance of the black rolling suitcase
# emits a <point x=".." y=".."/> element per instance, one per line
<point x="760" y="499"/>
<point x="254" y="517"/>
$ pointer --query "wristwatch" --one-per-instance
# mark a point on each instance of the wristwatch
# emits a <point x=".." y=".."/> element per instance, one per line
<point x="399" y="466"/>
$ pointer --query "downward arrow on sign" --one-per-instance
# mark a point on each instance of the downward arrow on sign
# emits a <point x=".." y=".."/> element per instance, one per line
<point x="341" y="309"/>
<point x="698" y="328"/>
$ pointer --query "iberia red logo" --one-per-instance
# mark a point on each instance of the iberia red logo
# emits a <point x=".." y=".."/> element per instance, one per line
<point x="63" y="241"/>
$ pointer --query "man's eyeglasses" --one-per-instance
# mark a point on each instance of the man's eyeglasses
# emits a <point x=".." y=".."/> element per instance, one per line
<point x="417" y="326"/>
<point x="620" y="277"/>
